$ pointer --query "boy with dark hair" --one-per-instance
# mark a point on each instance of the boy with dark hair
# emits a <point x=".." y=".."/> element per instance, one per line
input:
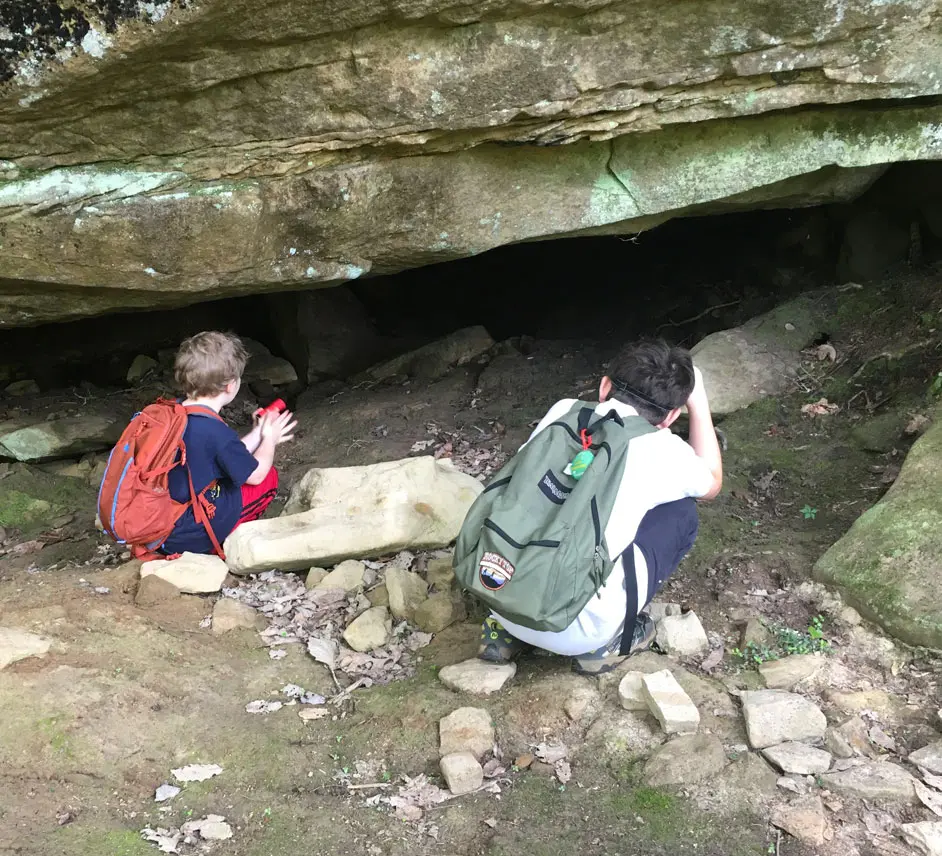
<point x="234" y="477"/>
<point x="653" y="523"/>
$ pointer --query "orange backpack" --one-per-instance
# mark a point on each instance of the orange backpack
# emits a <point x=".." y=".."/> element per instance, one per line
<point x="134" y="502"/>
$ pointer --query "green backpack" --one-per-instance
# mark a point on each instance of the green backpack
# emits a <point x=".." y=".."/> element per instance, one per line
<point x="532" y="547"/>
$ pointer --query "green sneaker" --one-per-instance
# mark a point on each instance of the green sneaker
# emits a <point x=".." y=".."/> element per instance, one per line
<point x="497" y="645"/>
<point x="607" y="658"/>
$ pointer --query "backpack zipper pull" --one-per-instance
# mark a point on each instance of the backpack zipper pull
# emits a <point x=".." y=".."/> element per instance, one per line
<point x="598" y="566"/>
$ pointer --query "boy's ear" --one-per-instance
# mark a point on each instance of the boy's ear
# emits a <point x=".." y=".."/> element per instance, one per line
<point x="605" y="388"/>
<point x="670" y="419"/>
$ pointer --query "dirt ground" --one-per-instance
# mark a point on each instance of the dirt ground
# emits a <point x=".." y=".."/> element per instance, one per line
<point x="128" y="693"/>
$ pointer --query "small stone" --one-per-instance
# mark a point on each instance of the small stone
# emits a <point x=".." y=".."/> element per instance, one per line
<point x="379" y="596"/>
<point x="369" y="630"/>
<point x="685" y="760"/>
<point x="929" y="757"/>
<point x="785" y="673"/>
<point x="788" y="784"/>
<point x="468" y="729"/>
<point x="153" y="590"/>
<point x="848" y="615"/>
<point x="631" y="692"/>
<point x="774" y="717"/>
<point x="658" y="611"/>
<point x="440" y="574"/>
<point x="873" y="780"/>
<point x="347" y="576"/>
<point x="315" y="577"/>
<point x="16" y="645"/>
<point x="23" y="387"/>
<point x="438" y="612"/>
<point x="477" y="677"/>
<point x="798" y="758"/>
<point x="215" y="829"/>
<point x="837" y="744"/>
<point x="681" y="635"/>
<point x="582" y="703"/>
<point x="192" y="573"/>
<point x="406" y="592"/>
<point x="669" y="703"/>
<point x="755" y="633"/>
<point x="463" y="774"/>
<point x="803" y="819"/>
<point x="856" y="735"/>
<point x="925" y="836"/>
<point x="140" y="367"/>
<point x="229" y="614"/>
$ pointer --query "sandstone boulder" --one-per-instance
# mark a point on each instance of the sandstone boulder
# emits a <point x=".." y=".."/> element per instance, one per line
<point x="59" y="438"/>
<point x="774" y="717"/>
<point x="889" y="564"/>
<point x="762" y="356"/>
<point x="355" y="512"/>
<point x="873" y="780"/>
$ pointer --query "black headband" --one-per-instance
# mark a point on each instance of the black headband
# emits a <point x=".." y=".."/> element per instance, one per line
<point x="624" y="389"/>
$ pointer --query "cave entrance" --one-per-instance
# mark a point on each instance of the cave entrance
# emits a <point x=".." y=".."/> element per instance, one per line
<point x="683" y="280"/>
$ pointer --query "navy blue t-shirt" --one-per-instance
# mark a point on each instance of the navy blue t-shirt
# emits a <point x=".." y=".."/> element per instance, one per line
<point x="214" y="452"/>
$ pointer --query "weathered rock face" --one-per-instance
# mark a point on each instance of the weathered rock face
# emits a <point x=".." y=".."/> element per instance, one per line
<point x="887" y="566"/>
<point x="144" y="166"/>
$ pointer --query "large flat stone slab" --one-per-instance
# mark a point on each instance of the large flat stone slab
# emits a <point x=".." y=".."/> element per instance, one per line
<point x="774" y="717"/>
<point x="358" y="512"/>
<point x="477" y="677"/>
<point x="873" y="780"/>
<point x="58" y="438"/>
<point x="889" y="564"/>
<point x="16" y="645"/>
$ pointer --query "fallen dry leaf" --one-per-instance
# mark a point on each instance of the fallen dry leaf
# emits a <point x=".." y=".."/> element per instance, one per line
<point x="262" y="706"/>
<point x="524" y="761"/>
<point x="196" y="772"/>
<point x="551" y="753"/>
<point x="712" y="660"/>
<point x="822" y="407"/>
<point x="563" y="771"/>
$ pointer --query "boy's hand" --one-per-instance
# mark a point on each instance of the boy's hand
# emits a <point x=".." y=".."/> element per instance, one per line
<point x="698" y="396"/>
<point x="278" y="427"/>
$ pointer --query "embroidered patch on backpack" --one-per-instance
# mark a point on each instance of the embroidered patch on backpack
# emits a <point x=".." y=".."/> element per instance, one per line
<point x="495" y="571"/>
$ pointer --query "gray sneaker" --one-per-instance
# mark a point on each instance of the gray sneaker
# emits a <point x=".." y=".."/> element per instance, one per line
<point x="608" y="657"/>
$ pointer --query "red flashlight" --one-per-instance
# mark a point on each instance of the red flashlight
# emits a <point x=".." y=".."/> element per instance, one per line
<point x="277" y="406"/>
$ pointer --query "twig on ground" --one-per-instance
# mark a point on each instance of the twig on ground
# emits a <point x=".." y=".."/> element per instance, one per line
<point x="698" y="316"/>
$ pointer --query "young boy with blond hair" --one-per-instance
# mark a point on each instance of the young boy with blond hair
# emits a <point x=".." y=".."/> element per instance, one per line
<point x="234" y="476"/>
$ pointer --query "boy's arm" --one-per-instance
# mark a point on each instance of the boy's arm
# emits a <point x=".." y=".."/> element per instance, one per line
<point x="253" y="438"/>
<point x="702" y="436"/>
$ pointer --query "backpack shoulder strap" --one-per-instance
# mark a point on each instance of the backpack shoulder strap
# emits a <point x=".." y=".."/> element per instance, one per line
<point x="196" y="499"/>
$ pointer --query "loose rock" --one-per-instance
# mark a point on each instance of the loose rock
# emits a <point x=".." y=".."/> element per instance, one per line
<point x="192" y="573"/>
<point x="463" y="774"/>
<point x="379" y="596"/>
<point x="774" y="717"/>
<point x="315" y="576"/>
<point x="22" y="387"/>
<point x="582" y="703"/>
<point x="631" y="692"/>
<point x="803" y="819"/>
<point x="437" y="613"/>
<point x="435" y="359"/>
<point x="406" y="592"/>
<point x="798" y="758"/>
<point x="416" y="503"/>
<point x="682" y="635"/>
<point x="153" y="590"/>
<point x="370" y="630"/>
<point x="16" y="645"/>
<point x="273" y="370"/>
<point x="851" y="738"/>
<point x="785" y="673"/>
<point x="685" y="760"/>
<point x="926" y="837"/>
<point x="929" y="757"/>
<point x="347" y="576"/>
<point x="658" y="611"/>
<point x="669" y="703"/>
<point x="440" y="574"/>
<point x="468" y="729"/>
<point x="477" y="677"/>
<point x="755" y="633"/>
<point x="873" y="780"/>
<point x="140" y="367"/>
<point x="229" y="614"/>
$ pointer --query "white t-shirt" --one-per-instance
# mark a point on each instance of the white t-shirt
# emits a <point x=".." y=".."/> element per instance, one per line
<point x="660" y="467"/>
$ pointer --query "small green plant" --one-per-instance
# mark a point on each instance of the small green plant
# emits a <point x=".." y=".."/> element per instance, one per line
<point x="935" y="388"/>
<point x="808" y="512"/>
<point x="784" y="642"/>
